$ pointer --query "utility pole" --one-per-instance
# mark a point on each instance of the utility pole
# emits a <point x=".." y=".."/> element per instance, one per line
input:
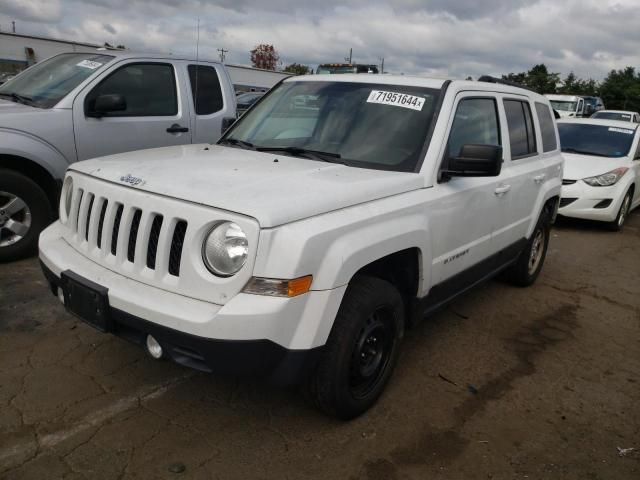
<point x="381" y="64"/>
<point x="13" y="26"/>
<point x="350" y="55"/>
<point x="222" y="52"/>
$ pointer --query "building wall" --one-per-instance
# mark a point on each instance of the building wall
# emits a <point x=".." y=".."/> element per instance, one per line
<point x="15" y="56"/>
<point x="247" y="79"/>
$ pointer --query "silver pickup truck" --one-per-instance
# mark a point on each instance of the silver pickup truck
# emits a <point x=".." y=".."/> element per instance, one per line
<point x="77" y="106"/>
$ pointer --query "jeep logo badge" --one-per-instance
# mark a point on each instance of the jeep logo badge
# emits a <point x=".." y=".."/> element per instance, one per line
<point x="128" y="178"/>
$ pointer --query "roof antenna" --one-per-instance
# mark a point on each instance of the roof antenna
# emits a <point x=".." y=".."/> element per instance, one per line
<point x="195" y="97"/>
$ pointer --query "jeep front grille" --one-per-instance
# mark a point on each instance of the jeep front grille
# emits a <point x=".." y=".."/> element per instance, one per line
<point x="126" y="232"/>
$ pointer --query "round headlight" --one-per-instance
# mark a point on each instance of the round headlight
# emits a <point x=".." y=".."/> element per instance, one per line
<point x="225" y="249"/>
<point x="67" y="195"/>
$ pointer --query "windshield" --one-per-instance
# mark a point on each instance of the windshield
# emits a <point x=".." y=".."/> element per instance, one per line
<point x="599" y="140"/>
<point x="564" y="106"/>
<point x="342" y="69"/>
<point x="48" y="82"/>
<point x="358" y="124"/>
<point x="625" y="117"/>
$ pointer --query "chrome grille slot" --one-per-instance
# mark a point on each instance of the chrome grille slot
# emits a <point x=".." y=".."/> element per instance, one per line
<point x="177" y="243"/>
<point x="116" y="229"/>
<point x="91" y="197"/>
<point x="76" y="213"/>
<point x="154" y="236"/>
<point x="133" y="235"/>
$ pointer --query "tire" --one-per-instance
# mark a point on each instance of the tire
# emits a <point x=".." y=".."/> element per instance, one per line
<point x="362" y="349"/>
<point x="623" y="213"/>
<point x="25" y="211"/>
<point x="527" y="267"/>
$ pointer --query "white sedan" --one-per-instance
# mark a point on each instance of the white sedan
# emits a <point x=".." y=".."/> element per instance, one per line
<point x="623" y="115"/>
<point x="601" y="171"/>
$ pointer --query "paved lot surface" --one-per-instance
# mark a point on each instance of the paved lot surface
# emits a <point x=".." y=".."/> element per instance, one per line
<point x="555" y="368"/>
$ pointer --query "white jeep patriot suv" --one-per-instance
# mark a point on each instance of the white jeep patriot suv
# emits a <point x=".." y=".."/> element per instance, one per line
<point x="336" y="212"/>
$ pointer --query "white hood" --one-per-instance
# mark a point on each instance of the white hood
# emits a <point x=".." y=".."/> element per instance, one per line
<point x="577" y="167"/>
<point x="250" y="183"/>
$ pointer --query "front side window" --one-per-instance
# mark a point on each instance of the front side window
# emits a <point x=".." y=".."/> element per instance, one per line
<point x="547" y="128"/>
<point x="46" y="83"/>
<point x="596" y="140"/>
<point x="205" y="89"/>
<point x="149" y="90"/>
<point x="475" y="123"/>
<point x="359" y="124"/>
<point x="522" y="137"/>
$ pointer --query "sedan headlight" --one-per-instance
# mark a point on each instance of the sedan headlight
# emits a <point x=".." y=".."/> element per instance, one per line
<point x="225" y="249"/>
<point x="65" y="198"/>
<point x="606" y="179"/>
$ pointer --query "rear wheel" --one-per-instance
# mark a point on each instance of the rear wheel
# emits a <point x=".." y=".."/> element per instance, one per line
<point x="24" y="212"/>
<point x="623" y="213"/>
<point x="529" y="264"/>
<point x="362" y="349"/>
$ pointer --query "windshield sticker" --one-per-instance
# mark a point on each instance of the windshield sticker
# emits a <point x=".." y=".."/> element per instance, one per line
<point x="396" y="99"/>
<point x="621" y="130"/>
<point x="89" y="64"/>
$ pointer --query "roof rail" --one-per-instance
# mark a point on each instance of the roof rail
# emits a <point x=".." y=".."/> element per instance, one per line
<point x="490" y="79"/>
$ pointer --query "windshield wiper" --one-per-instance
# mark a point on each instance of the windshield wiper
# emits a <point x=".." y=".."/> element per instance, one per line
<point x="315" y="154"/>
<point x="583" y="152"/>
<point x="18" y="98"/>
<point x="237" y="143"/>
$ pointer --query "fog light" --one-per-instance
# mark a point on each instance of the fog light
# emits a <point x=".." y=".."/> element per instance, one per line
<point x="61" y="295"/>
<point x="154" y="348"/>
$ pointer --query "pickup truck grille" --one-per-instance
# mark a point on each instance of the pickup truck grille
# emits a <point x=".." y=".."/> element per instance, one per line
<point x="93" y="211"/>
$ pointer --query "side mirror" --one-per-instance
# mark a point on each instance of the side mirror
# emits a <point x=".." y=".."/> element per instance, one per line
<point x="106" y="104"/>
<point x="476" y="161"/>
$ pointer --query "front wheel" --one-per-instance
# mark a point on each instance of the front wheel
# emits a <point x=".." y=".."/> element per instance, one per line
<point x="362" y="349"/>
<point x="529" y="264"/>
<point x="623" y="213"/>
<point x="24" y="212"/>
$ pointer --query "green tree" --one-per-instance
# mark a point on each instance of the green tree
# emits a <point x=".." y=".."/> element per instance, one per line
<point x="297" y="69"/>
<point x="621" y="89"/>
<point x="541" y="80"/>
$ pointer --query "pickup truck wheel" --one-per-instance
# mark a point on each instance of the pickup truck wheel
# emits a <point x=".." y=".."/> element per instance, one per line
<point x="623" y="213"/>
<point x="24" y="212"/>
<point x="529" y="264"/>
<point x="362" y="349"/>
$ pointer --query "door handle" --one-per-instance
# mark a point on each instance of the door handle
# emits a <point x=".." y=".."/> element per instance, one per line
<point x="502" y="189"/>
<point x="176" y="128"/>
<point x="539" y="178"/>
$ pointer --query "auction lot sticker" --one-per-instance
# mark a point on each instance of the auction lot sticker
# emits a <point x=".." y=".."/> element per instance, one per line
<point x="396" y="99"/>
<point x="89" y="64"/>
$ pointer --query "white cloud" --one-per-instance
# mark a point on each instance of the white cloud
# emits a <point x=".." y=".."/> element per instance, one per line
<point x="433" y="37"/>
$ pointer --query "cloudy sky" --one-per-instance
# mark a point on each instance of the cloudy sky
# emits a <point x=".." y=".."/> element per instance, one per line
<point x="443" y="38"/>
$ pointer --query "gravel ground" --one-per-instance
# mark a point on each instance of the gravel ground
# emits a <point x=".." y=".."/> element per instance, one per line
<point x="506" y="383"/>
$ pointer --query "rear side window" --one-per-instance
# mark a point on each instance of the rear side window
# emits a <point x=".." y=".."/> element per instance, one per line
<point x="149" y="90"/>
<point x="547" y="128"/>
<point x="476" y="122"/>
<point x="206" y="90"/>
<point x="522" y="137"/>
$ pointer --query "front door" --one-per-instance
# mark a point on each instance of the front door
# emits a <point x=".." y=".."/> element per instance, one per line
<point x="462" y="217"/>
<point x="156" y="114"/>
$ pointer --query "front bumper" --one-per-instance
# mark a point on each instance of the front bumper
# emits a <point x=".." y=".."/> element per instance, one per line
<point x="584" y="199"/>
<point x="273" y="337"/>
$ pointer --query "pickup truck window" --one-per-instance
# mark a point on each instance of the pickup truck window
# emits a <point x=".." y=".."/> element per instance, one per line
<point x="522" y="137"/>
<point x="204" y="80"/>
<point x="359" y="124"/>
<point x="46" y="83"/>
<point x="475" y="122"/>
<point x="149" y="90"/>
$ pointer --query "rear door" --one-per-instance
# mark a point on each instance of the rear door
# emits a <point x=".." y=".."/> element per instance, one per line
<point x="156" y="115"/>
<point x="522" y="175"/>
<point x="211" y="92"/>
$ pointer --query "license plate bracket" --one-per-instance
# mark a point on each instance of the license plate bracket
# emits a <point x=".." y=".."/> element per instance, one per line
<point x="87" y="300"/>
